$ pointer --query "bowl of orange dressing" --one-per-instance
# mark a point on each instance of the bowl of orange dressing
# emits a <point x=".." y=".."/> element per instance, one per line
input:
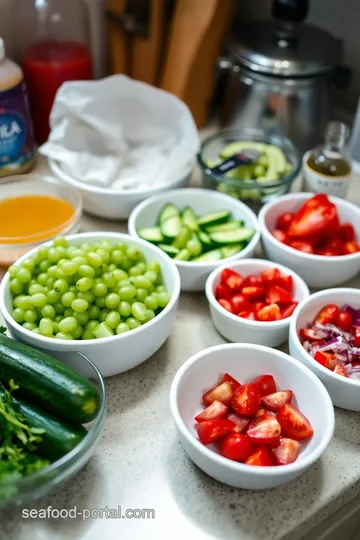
<point x="34" y="209"/>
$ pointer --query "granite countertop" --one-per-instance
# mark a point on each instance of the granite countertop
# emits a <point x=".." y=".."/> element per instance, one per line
<point x="141" y="464"/>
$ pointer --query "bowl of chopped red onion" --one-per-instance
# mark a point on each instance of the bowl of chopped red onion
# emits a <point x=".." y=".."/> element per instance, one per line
<point x="325" y="336"/>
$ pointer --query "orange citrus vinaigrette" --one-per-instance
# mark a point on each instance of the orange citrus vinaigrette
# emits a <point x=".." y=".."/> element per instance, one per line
<point x="32" y="218"/>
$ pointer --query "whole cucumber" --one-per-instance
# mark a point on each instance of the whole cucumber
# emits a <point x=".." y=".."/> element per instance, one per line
<point x="49" y="383"/>
<point x="59" y="438"/>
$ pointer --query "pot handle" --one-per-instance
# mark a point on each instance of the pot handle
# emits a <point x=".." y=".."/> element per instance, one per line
<point x="342" y="77"/>
<point x="224" y="63"/>
<point x="290" y="11"/>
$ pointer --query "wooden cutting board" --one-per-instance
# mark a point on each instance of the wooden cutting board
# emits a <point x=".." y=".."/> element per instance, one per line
<point x="118" y="41"/>
<point x="146" y="51"/>
<point x="196" y="34"/>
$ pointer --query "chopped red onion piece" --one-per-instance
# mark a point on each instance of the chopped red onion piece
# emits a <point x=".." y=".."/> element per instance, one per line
<point x="333" y="344"/>
<point x="355" y="313"/>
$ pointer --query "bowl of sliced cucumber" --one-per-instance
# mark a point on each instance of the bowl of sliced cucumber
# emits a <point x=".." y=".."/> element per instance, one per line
<point x="52" y="417"/>
<point x="198" y="229"/>
<point x="274" y="165"/>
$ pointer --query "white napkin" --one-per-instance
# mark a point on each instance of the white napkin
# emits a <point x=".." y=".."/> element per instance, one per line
<point x="121" y="133"/>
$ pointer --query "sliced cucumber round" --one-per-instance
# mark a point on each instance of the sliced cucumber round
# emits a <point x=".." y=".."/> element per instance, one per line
<point x="232" y="237"/>
<point x="210" y="256"/>
<point x="214" y="218"/>
<point x="151" y="234"/>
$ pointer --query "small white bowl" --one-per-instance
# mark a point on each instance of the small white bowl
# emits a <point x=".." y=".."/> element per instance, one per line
<point x="110" y="203"/>
<point x="318" y="271"/>
<point x="115" y="354"/>
<point x="239" y="330"/>
<point x="203" y="201"/>
<point x="345" y="393"/>
<point x="245" y="362"/>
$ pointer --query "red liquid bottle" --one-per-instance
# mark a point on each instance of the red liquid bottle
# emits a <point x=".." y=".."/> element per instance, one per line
<point x="47" y="64"/>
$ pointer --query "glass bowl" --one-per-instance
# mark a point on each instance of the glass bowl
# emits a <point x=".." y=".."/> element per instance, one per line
<point x="253" y="192"/>
<point x="46" y="480"/>
<point x="31" y="184"/>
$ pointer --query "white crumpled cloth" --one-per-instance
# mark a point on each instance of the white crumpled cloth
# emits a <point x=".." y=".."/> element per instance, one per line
<point x="121" y="133"/>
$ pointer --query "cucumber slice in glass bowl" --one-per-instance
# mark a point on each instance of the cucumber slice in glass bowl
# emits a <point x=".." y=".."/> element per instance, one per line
<point x="212" y="229"/>
<point x="44" y="481"/>
<point x="257" y="183"/>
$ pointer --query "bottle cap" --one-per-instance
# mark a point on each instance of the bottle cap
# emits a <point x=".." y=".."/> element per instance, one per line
<point x="2" y="49"/>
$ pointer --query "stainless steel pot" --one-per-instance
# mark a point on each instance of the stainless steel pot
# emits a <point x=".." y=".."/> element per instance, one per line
<point x="281" y="77"/>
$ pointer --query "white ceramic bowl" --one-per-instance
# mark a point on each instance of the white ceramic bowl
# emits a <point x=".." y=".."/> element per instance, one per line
<point x="202" y="201"/>
<point x="114" y="354"/>
<point x="245" y="362"/>
<point x="111" y="203"/>
<point x="318" y="271"/>
<point x="239" y="330"/>
<point x="345" y="393"/>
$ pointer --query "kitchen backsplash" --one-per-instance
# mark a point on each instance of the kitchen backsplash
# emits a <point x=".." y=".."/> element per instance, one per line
<point x="341" y="18"/>
<point x="333" y="15"/>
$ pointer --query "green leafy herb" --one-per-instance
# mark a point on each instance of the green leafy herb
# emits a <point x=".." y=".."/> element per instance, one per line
<point x="17" y="442"/>
<point x="2" y="330"/>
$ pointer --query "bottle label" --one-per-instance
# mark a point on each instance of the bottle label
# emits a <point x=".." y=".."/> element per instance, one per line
<point x="319" y="183"/>
<point x="16" y="137"/>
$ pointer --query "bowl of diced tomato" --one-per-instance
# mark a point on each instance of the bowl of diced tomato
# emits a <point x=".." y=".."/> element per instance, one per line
<point x="252" y="301"/>
<point x="316" y="235"/>
<point x="250" y="416"/>
<point x="325" y="337"/>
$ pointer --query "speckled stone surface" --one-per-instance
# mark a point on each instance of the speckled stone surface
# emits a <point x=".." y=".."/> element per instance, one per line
<point x="140" y="464"/>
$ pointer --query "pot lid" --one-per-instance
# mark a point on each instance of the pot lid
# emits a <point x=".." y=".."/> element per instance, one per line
<point x="286" y="50"/>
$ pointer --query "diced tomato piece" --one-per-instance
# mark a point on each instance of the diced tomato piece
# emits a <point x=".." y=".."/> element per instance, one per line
<point x="257" y="306"/>
<point x="283" y="222"/>
<point x="269" y="313"/>
<point x="275" y="401"/>
<point x="264" y="430"/>
<point x="262" y="412"/>
<point x="241" y="423"/>
<point x="247" y="315"/>
<point x="285" y="282"/>
<point x="265" y="384"/>
<point x="347" y="232"/>
<point x="252" y="281"/>
<point x="316" y="216"/>
<point x="223" y="392"/>
<point x="280" y="235"/>
<point x="261" y="458"/>
<point x="215" y="411"/>
<point x="326" y="359"/>
<point x="335" y="245"/>
<point x="231" y="279"/>
<point x="300" y="245"/>
<point x="235" y="446"/>
<point x="293" y="423"/>
<point x="222" y="291"/>
<point x="253" y="292"/>
<point x="276" y="295"/>
<point x="308" y="334"/>
<point x="233" y="382"/>
<point x="270" y="275"/>
<point x="225" y="304"/>
<point x="340" y="370"/>
<point x="344" y="321"/>
<point x="356" y="336"/>
<point x="287" y="452"/>
<point x="327" y="252"/>
<point x="246" y="400"/>
<point x="287" y="311"/>
<point x="212" y="430"/>
<point x="351" y="247"/>
<point x="240" y="302"/>
<point x="328" y="314"/>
